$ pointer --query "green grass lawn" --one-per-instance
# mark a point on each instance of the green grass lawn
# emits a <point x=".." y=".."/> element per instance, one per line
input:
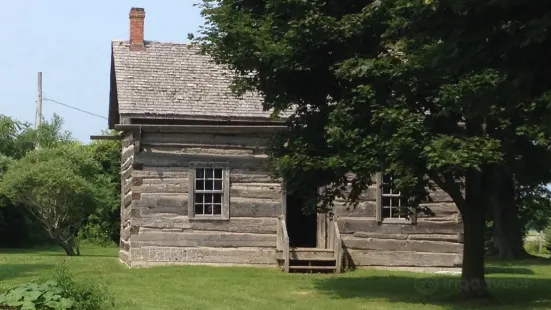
<point x="525" y="285"/>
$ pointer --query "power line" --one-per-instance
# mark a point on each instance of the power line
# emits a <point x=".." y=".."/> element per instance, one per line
<point x="74" y="108"/>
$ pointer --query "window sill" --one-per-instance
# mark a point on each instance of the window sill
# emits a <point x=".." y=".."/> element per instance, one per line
<point x="395" y="221"/>
<point x="209" y="219"/>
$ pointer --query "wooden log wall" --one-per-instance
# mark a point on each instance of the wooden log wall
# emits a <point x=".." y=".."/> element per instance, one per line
<point x="161" y="231"/>
<point x="127" y="160"/>
<point x="434" y="241"/>
<point x="156" y="229"/>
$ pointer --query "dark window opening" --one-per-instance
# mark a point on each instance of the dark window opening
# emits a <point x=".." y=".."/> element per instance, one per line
<point x="391" y="199"/>
<point x="301" y="227"/>
<point x="208" y="191"/>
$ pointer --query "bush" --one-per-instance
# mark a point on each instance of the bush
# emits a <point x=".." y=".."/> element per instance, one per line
<point x="29" y="296"/>
<point x="93" y="233"/>
<point x="532" y="247"/>
<point x="547" y="235"/>
<point x="87" y="295"/>
<point x="63" y="293"/>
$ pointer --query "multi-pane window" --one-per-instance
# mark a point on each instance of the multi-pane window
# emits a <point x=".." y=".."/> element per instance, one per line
<point x="208" y="191"/>
<point x="391" y="199"/>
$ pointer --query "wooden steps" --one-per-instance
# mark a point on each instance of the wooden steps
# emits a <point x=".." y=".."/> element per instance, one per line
<point x="312" y="268"/>
<point x="309" y="260"/>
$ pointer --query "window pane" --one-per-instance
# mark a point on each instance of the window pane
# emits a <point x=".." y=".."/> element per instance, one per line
<point x="217" y="209"/>
<point x="218" y="185"/>
<point x="217" y="198"/>
<point x="209" y="173"/>
<point x="208" y="209"/>
<point x="386" y="189"/>
<point x="217" y="173"/>
<point x="198" y="208"/>
<point x="208" y="184"/>
<point x="396" y="202"/>
<point x="199" y="173"/>
<point x="199" y="198"/>
<point x="199" y="185"/>
<point x="208" y="198"/>
<point x="386" y="212"/>
<point x="398" y="212"/>
<point x="386" y="201"/>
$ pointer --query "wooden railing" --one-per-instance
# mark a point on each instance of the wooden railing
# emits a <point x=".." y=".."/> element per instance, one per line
<point x="283" y="241"/>
<point x="337" y="247"/>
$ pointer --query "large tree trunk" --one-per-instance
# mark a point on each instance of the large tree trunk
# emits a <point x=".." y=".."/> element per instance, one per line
<point x="507" y="233"/>
<point x="473" y="284"/>
<point x="68" y="246"/>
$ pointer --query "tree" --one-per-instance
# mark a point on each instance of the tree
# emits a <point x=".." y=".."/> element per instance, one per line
<point x="534" y="208"/>
<point x="58" y="186"/>
<point x="17" y="227"/>
<point x="12" y="140"/>
<point x="451" y="92"/>
<point x="103" y="225"/>
<point x="51" y="134"/>
<point x="515" y="210"/>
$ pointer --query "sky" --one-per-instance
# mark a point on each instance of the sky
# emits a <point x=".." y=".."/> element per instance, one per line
<point x="69" y="42"/>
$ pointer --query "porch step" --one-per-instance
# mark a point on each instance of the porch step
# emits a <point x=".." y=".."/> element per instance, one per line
<point x="309" y="260"/>
<point x="308" y="254"/>
<point x="332" y="268"/>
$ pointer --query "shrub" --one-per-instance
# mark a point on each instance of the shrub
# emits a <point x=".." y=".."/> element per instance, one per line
<point x="63" y="293"/>
<point x="95" y="234"/>
<point x="87" y="295"/>
<point x="30" y="296"/>
<point x="547" y="235"/>
<point x="532" y="247"/>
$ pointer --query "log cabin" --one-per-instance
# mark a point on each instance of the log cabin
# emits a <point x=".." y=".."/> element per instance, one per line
<point x="196" y="188"/>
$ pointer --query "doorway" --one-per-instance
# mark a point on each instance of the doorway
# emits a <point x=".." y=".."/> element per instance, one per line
<point x="302" y="228"/>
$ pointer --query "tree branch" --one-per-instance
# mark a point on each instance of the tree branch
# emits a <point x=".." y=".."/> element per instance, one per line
<point x="450" y="186"/>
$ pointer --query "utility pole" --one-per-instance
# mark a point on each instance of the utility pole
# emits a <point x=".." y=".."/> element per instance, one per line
<point x="38" y="117"/>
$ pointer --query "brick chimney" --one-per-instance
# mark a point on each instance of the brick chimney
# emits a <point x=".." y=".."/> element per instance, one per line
<point x="137" y="18"/>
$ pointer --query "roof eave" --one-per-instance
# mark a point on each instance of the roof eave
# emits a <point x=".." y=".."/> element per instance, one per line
<point x="114" y="117"/>
<point x="221" y="118"/>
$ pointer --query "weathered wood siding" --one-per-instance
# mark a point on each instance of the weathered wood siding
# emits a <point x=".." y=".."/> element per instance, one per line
<point x="161" y="231"/>
<point x="156" y="229"/>
<point x="127" y="160"/>
<point x="434" y="241"/>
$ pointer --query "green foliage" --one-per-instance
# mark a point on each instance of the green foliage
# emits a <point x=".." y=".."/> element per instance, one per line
<point x="532" y="247"/>
<point x="59" y="186"/>
<point x="103" y="225"/>
<point x="15" y="139"/>
<point x="18" y="227"/>
<point x="63" y="293"/>
<point x="50" y="134"/>
<point x="100" y="169"/>
<point x="547" y="235"/>
<point x="31" y="296"/>
<point x="534" y="204"/>
<point x="453" y="93"/>
<point x="87" y="295"/>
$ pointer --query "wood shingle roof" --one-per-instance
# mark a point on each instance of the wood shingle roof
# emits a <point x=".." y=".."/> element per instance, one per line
<point x="173" y="81"/>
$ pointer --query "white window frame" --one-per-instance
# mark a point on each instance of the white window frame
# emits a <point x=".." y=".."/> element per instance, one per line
<point x="225" y="215"/>
<point x="379" y="205"/>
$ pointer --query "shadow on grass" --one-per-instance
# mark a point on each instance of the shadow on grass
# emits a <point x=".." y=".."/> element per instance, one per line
<point x="12" y="271"/>
<point x="97" y="255"/>
<point x="512" y="293"/>
<point x="508" y="270"/>
<point x="532" y="261"/>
